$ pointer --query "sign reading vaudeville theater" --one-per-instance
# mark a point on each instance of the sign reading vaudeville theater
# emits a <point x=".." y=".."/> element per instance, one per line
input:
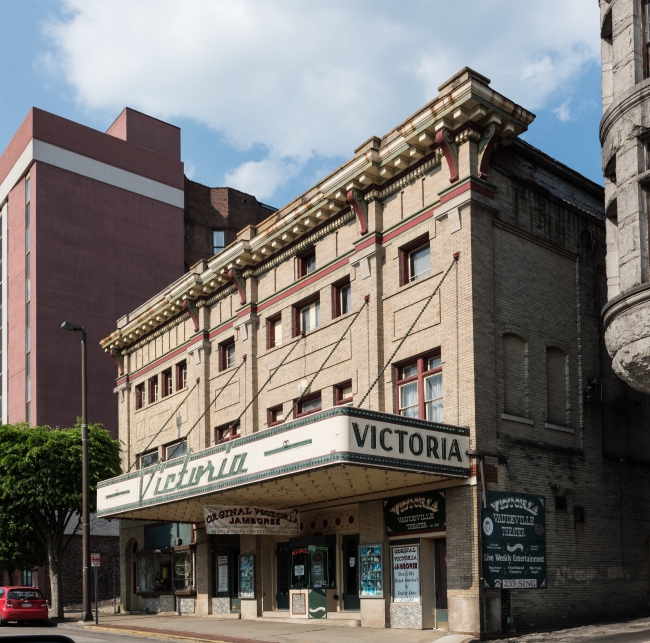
<point x="252" y="520"/>
<point x="417" y="512"/>
<point x="514" y="541"/>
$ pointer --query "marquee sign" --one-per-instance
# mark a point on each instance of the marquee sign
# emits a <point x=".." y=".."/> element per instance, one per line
<point x="342" y="435"/>
<point x="251" y="520"/>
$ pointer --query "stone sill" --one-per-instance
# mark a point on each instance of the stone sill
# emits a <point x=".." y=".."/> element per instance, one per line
<point x="557" y="427"/>
<point x="516" y="418"/>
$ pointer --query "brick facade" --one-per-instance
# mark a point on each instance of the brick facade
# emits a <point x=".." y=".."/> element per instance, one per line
<point x="530" y="233"/>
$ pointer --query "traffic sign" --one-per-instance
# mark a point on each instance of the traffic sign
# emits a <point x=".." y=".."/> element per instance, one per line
<point x="94" y="560"/>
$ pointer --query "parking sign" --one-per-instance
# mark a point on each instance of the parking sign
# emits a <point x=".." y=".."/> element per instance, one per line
<point x="94" y="560"/>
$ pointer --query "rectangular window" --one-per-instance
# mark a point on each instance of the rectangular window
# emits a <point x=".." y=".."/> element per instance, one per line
<point x="26" y="578"/>
<point x="274" y="331"/>
<point x="153" y="389"/>
<point x="226" y="432"/>
<point x="309" y="404"/>
<point x="343" y="393"/>
<point x="218" y="241"/>
<point x="139" y="396"/>
<point x="148" y="459"/>
<point x="306" y="316"/>
<point x="307" y="263"/>
<point x="342" y="298"/>
<point x="419" y="388"/>
<point x="167" y="382"/>
<point x="177" y="450"/>
<point x="181" y="375"/>
<point x="275" y="415"/>
<point x="227" y="354"/>
<point x="415" y="260"/>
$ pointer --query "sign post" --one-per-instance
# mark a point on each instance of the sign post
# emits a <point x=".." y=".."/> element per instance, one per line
<point x="94" y="563"/>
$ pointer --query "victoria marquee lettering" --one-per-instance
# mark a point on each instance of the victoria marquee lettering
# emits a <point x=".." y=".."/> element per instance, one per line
<point x="340" y="435"/>
<point x="436" y="449"/>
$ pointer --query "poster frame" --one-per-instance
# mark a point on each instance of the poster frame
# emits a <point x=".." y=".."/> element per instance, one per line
<point x="239" y="561"/>
<point x="381" y="571"/>
<point x="392" y="573"/>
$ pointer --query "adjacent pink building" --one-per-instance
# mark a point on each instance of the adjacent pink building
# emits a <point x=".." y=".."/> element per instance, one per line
<point x="93" y="224"/>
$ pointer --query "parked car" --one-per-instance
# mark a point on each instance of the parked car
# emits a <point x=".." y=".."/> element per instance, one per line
<point x="22" y="604"/>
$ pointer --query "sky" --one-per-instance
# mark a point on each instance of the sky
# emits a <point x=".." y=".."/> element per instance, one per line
<point x="272" y="95"/>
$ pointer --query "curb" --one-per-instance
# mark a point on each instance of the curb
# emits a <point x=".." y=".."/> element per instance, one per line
<point x="170" y="634"/>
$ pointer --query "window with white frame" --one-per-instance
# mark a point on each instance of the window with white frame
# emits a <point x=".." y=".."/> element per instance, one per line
<point x="419" y="388"/>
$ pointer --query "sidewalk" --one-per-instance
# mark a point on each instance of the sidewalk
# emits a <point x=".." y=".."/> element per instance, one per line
<point x="258" y="631"/>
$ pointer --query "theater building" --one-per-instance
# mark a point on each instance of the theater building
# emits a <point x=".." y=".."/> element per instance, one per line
<point x="310" y="417"/>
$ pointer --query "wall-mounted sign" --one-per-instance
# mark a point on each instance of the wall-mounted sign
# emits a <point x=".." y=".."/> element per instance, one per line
<point x="247" y="576"/>
<point x="415" y="513"/>
<point x="406" y="574"/>
<point x="370" y="571"/>
<point x="513" y="532"/>
<point x="251" y="520"/>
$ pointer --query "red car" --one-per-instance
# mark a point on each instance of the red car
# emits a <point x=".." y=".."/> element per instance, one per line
<point x="22" y="604"/>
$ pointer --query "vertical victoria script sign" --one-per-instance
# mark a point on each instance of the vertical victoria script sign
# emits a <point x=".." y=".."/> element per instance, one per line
<point x="513" y="531"/>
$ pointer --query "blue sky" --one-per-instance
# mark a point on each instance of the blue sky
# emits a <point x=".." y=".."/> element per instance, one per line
<point x="271" y="96"/>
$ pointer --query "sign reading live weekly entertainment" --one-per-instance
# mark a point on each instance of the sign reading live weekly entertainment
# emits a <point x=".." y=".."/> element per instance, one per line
<point x="252" y="520"/>
<point x="417" y="512"/>
<point x="514" y="541"/>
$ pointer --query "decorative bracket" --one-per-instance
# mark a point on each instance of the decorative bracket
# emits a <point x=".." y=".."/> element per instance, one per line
<point x="489" y="141"/>
<point x="449" y="148"/>
<point x="191" y="308"/>
<point x="240" y="283"/>
<point x="356" y="200"/>
<point x="119" y="358"/>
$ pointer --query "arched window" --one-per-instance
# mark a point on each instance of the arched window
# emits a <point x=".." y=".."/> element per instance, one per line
<point x="515" y="376"/>
<point x="558" y="410"/>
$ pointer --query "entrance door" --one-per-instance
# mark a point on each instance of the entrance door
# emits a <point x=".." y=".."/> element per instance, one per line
<point x="351" y="573"/>
<point x="441" y="583"/>
<point x="282" y="565"/>
<point x="235" y="601"/>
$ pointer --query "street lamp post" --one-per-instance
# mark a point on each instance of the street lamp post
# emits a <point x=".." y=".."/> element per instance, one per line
<point x="85" y="513"/>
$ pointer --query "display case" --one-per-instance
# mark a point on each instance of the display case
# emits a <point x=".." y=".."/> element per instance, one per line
<point x="247" y="576"/>
<point x="405" y="562"/>
<point x="371" y="571"/>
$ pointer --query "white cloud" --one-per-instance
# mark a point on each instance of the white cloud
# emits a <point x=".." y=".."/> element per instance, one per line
<point x="262" y="178"/>
<point x="563" y="111"/>
<point x="306" y="78"/>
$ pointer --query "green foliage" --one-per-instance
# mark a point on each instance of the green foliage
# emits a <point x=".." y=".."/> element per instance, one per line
<point x="20" y="547"/>
<point x="40" y="473"/>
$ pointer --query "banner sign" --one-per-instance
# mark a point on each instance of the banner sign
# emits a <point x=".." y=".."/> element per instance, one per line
<point x="415" y="513"/>
<point x="513" y="534"/>
<point x="252" y="520"/>
<point x="406" y="574"/>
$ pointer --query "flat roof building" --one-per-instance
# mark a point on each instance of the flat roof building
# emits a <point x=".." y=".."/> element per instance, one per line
<point x="389" y="403"/>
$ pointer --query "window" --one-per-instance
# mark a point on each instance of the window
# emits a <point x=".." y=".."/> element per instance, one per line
<point x="177" y="450"/>
<point x="515" y="389"/>
<point x="275" y="415"/>
<point x="309" y="404"/>
<point x="153" y="389"/>
<point x="343" y="393"/>
<point x="139" y="396"/>
<point x="558" y="411"/>
<point x="226" y="432"/>
<point x="148" y="459"/>
<point x="342" y="298"/>
<point x="274" y="331"/>
<point x="307" y="263"/>
<point x="415" y="261"/>
<point x="26" y="578"/>
<point x="181" y="375"/>
<point x="227" y="354"/>
<point x="306" y="316"/>
<point x="419" y="388"/>
<point x="218" y="241"/>
<point x="645" y="34"/>
<point x="167" y="382"/>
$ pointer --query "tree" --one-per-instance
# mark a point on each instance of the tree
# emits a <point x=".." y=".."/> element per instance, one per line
<point x="20" y="547"/>
<point x="40" y="483"/>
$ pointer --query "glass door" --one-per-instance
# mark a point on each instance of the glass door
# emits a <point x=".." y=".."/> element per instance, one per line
<point x="351" y="573"/>
<point x="235" y="601"/>
<point x="282" y="565"/>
